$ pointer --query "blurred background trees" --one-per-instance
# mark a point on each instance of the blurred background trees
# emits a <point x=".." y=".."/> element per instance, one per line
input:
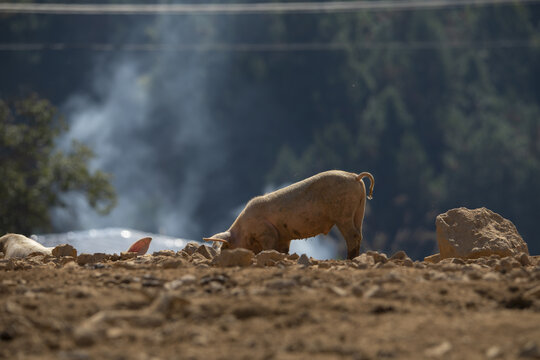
<point x="441" y="106"/>
<point x="35" y="175"/>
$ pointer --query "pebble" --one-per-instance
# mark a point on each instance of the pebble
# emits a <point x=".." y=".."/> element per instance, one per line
<point x="191" y="247"/>
<point x="64" y="250"/>
<point x="280" y="284"/>
<point x="494" y="352"/>
<point x="173" y="263"/>
<point x="439" y="350"/>
<point x="533" y="293"/>
<point x="388" y="265"/>
<point x="373" y="291"/>
<point x="269" y="257"/>
<point x="184" y="255"/>
<point x="235" y="257"/>
<point x="378" y="257"/>
<point x="530" y="350"/>
<point x="408" y="262"/>
<point x="84" y="259"/>
<point x="400" y="255"/>
<point x="206" y="251"/>
<point x="127" y="255"/>
<point x="293" y="257"/>
<point x="364" y="259"/>
<point x="164" y="253"/>
<point x="324" y="265"/>
<point x="491" y="276"/>
<point x="337" y="291"/>
<point x="304" y="260"/>
<point x="523" y="259"/>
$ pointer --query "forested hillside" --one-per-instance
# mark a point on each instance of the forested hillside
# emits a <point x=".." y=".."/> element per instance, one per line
<point x="441" y="106"/>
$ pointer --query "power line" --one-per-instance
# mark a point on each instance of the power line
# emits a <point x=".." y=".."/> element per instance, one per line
<point x="247" y="8"/>
<point x="266" y="47"/>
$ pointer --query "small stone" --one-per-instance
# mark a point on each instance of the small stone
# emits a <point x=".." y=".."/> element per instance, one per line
<point x="533" y="293"/>
<point x="408" y="262"/>
<point x="164" y="253"/>
<point x="358" y="290"/>
<point x="433" y="259"/>
<point x="494" y="352"/>
<point x="127" y="255"/>
<point x="438" y="350"/>
<point x="188" y="279"/>
<point x="84" y="259"/>
<point x="235" y="257"/>
<point x="373" y="291"/>
<point x="85" y="336"/>
<point x="206" y="251"/>
<point x="269" y="257"/>
<point x="280" y="284"/>
<point x="524" y="259"/>
<point x="324" y="265"/>
<point x="293" y="257"/>
<point x="491" y="276"/>
<point x="530" y="350"/>
<point x="115" y="333"/>
<point x="337" y="291"/>
<point x="392" y="277"/>
<point x="184" y="255"/>
<point x="64" y="250"/>
<point x="378" y="257"/>
<point x="364" y="259"/>
<point x="458" y="261"/>
<point x="191" y="247"/>
<point x="173" y="263"/>
<point x="173" y="285"/>
<point x="304" y="260"/>
<point x="66" y="259"/>
<point x="70" y="265"/>
<point x="507" y="264"/>
<point x="400" y="255"/>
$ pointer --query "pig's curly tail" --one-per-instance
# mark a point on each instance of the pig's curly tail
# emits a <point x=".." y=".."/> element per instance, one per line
<point x="371" y="180"/>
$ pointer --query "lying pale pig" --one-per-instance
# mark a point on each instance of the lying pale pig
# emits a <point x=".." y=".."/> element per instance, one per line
<point x="19" y="246"/>
<point x="302" y="210"/>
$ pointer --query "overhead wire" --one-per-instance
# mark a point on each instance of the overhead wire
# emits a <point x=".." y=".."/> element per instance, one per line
<point x="245" y="8"/>
<point x="266" y="47"/>
<point x="252" y="8"/>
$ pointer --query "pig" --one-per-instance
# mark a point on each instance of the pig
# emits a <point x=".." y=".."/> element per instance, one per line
<point x="19" y="246"/>
<point x="302" y="210"/>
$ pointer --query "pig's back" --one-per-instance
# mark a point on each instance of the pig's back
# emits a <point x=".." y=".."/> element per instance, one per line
<point x="311" y="206"/>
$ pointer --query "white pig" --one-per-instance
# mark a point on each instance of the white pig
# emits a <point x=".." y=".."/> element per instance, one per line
<point x="302" y="210"/>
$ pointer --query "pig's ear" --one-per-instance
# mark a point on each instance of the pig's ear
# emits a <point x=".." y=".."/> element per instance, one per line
<point x="140" y="246"/>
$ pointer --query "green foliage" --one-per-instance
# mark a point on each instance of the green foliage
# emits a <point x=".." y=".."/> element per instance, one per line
<point x="438" y="127"/>
<point x="35" y="175"/>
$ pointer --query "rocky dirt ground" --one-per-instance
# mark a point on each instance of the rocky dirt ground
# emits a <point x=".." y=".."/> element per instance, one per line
<point x="188" y="305"/>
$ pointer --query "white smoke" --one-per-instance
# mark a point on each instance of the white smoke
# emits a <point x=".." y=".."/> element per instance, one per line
<point x="149" y="124"/>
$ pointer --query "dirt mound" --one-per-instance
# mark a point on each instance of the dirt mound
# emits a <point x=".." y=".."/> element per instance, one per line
<point x="183" y="305"/>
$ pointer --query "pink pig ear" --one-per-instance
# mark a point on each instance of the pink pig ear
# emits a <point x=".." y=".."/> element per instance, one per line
<point x="140" y="246"/>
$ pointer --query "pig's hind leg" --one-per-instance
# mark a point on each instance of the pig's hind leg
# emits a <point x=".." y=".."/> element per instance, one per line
<point x="352" y="236"/>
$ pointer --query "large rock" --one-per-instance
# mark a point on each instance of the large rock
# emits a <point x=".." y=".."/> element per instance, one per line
<point x="235" y="257"/>
<point x="471" y="234"/>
